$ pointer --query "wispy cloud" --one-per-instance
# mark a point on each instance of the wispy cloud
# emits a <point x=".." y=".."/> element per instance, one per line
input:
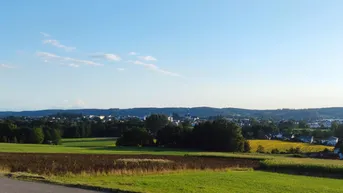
<point x="45" y="34"/>
<point x="6" y="66"/>
<point x="147" y="58"/>
<point x="120" y="69"/>
<point x="154" y="68"/>
<point x="73" y="62"/>
<point x="73" y="65"/>
<point x="80" y="103"/>
<point x="110" y="57"/>
<point x="133" y="53"/>
<point x="57" y="44"/>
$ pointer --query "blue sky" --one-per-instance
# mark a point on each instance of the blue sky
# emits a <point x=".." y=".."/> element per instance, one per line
<point x="152" y="53"/>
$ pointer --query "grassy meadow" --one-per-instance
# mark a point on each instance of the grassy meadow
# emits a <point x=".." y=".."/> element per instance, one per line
<point x="206" y="182"/>
<point x="98" y="163"/>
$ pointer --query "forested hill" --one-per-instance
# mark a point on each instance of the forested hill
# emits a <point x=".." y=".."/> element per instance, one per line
<point x="297" y="114"/>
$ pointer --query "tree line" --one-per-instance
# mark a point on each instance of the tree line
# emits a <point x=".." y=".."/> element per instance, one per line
<point x="257" y="130"/>
<point x="11" y="133"/>
<point x="155" y="130"/>
<point x="217" y="134"/>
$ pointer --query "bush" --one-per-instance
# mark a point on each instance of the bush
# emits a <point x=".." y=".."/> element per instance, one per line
<point x="247" y="147"/>
<point x="326" y="150"/>
<point x="294" y="150"/>
<point x="275" y="151"/>
<point x="260" y="149"/>
<point x="135" y="137"/>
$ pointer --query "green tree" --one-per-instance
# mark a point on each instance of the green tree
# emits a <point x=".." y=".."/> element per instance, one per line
<point x="135" y="137"/>
<point x="284" y="125"/>
<point x="56" y="136"/>
<point x="156" y="122"/>
<point x="303" y="124"/>
<point x="218" y="135"/>
<point x="334" y="125"/>
<point x="186" y="124"/>
<point x="171" y="136"/>
<point x="339" y="131"/>
<point x="8" y="131"/>
<point x="37" y="135"/>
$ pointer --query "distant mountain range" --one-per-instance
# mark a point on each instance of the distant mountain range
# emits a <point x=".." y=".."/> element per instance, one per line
<point x="297" y="114"/>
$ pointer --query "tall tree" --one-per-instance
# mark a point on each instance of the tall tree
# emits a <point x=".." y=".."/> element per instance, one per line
<point x="37" y="135"/>
<point x="218" y="135"/>
<point x="170" y="136"/>
<point x="156" y="122"/>
<point x="135" y="137"/>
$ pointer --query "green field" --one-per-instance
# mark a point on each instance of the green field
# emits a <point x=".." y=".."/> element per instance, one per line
<point x="86" y="146"/>
<point x="107" y="146"/>
<point x="197" y="181"/>
<point x="208" y="182"/>
<point x="89" y="142"/>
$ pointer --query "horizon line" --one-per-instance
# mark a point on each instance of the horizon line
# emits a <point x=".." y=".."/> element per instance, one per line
<point x="252" y="109"/>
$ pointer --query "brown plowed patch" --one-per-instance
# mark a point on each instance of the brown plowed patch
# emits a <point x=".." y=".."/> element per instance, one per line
<point x="43" y="163"/>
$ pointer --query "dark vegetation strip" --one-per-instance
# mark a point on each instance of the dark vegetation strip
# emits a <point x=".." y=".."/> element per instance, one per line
<point x="328" y="171"/>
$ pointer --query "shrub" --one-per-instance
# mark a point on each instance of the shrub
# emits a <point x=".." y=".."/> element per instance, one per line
<point x="275" y="151"/>
<point x="326" y="150"/>
<point x="296" y="150"/>
<point x="260" y="149"/>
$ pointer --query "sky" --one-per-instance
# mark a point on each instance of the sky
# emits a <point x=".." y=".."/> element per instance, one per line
<point x="251" y="54"/>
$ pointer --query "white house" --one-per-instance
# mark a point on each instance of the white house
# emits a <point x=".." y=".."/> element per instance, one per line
<point x="330" y="141"/>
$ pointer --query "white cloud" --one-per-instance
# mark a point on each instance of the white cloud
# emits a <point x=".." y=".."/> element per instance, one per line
<point x="73" y="65"/>
<point x="133" y="53"/>
<point x="80" y="103"/>
<point x="57" y="44"/>
<point x="6" y="66"/>
<point x="48" y="57"/>
<point x="110" y="57"/>
<point x="138" y="62"/>
<point x="120" y="69"/>
<point x="148" y="58"/>
<point x="45" y="34"/>
<point x="153" y="67"/>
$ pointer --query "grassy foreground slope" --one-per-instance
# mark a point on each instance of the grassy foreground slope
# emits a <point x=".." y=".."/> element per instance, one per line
<point x="208" y="182"/>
